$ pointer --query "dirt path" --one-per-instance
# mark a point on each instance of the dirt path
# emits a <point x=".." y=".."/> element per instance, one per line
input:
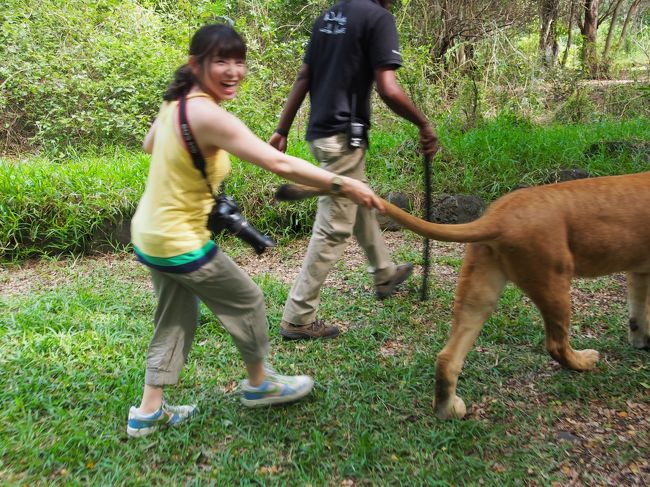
<point x="282" y="263"/>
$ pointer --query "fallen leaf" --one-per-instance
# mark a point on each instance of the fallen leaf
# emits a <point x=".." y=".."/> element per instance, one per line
<point x="272" y="470"/>
<point x="230" y="387"/>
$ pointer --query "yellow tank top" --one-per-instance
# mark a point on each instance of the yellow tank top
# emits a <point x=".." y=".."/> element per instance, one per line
<point x="170" y="221"/>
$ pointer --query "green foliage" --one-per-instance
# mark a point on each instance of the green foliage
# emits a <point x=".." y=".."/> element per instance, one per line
<point x="578" y="108"/>
<point x="500" y="155"/>
<point x="83" y="75"/>
<point x="93" y="73"/>
<point x="69" y="206"/>
<point x="89" y="73"/>
<point x="49" y="208"/>
<point x="79" y="204"/>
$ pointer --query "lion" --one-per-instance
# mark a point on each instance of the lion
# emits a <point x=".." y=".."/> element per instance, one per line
<point x="540" y="238"/>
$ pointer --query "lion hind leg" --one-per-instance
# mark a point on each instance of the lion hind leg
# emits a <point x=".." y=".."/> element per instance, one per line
<point x="479" y="287"/>
<point x="554" y="302"/>
<point x="639" y="307"/>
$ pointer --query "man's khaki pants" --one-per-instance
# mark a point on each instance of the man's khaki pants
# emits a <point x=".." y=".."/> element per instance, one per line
<point x="228" y="292"/>
<point x="337" y="219"/>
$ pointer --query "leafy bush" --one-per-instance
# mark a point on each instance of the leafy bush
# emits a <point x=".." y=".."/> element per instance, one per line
<point x="81" y="76"/>
<point x="49" y="208"/>
<point x="89" y="73"/>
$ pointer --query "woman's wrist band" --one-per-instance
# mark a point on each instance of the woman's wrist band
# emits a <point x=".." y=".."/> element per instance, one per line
<point x="282" y="132"/>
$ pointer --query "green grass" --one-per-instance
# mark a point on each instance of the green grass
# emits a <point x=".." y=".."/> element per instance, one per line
<point x="67" y="206"/>
<point x="49" y="208"/>
<point x="72" y="352"/>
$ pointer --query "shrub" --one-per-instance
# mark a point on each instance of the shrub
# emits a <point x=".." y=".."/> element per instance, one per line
<point x="49" y="208"/>
<point x="82" y="72"/>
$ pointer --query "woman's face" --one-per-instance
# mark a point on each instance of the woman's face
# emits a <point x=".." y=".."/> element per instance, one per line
<point x="221" y="76"/>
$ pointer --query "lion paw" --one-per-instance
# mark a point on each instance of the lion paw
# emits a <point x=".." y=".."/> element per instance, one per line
<point x="454" y="408"/>
<point x="587" y="359"/>
<point x="638" y="339"/>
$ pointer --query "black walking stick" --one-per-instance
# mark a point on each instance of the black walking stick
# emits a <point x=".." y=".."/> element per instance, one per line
<point x="427" y="217"/>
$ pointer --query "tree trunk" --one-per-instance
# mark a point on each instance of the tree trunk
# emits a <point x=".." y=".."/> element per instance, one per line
<point x="589" y="32"/>
<point x="548" y="46"/>
<point x="569" y="39"/>
<point x="608" y="42"/>
<point x="446" y="37"/>
<point x="628" y="18"/>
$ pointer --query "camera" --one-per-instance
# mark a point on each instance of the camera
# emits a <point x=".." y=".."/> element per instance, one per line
<point x="357" y="135"/>
<point x="225" y="215"/>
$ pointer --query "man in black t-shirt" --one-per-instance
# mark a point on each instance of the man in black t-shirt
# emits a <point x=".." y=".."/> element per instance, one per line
<point x="353" y="45"/>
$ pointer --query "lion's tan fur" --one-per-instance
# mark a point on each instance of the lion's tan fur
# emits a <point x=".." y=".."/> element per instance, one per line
<point x="540" y="238"/>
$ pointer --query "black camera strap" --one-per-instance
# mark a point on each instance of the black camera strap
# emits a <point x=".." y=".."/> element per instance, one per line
<point x="225" y="213"/>
<point x="190" y="143"/>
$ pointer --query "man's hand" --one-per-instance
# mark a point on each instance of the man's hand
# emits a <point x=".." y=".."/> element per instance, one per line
<point x="278" y="141"/>
<point x="428" y="141"/>
<point x="393" y="95"/>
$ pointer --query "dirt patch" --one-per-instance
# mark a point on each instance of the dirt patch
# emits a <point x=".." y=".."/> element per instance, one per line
<point x="590" y="437"/>
<point x="285" y="264"/>
<point x="282" y="264"/>
<point x="590" y="434"/>
<point x="35" y="275"/>
<point x="593" y="435"/>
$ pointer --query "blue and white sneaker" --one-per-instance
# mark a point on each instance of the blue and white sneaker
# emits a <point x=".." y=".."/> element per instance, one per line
<point x="276" y="389"/>
<point x="144" y="424"/>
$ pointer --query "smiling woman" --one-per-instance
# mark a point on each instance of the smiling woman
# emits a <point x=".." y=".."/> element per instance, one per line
<point x="217" y="60"/>
<point x="189" y="142"/>
<point x="225" y="75"/>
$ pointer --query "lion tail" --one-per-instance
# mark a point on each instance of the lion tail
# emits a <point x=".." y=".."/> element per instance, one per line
<point x="476" y="231"/>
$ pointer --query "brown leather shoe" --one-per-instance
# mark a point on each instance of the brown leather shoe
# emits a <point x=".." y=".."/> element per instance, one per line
<point x="402" y="273"/>
<point x="314" y="330"/>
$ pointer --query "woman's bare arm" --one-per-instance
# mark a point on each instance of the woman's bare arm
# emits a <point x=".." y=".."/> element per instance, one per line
<point x="147" y="143"/>
<point x="214" y="126"/>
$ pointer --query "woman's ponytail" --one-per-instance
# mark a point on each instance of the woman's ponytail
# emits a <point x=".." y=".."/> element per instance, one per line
<point x="181" y="84"/>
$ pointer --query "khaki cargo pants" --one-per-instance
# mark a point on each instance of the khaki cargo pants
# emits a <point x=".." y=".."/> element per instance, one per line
<point x="337" y="219"/>
<point x="227" y="291"/>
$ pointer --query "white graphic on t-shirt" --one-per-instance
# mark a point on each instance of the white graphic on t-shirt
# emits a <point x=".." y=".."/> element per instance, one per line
<point x="335" y="23"/>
